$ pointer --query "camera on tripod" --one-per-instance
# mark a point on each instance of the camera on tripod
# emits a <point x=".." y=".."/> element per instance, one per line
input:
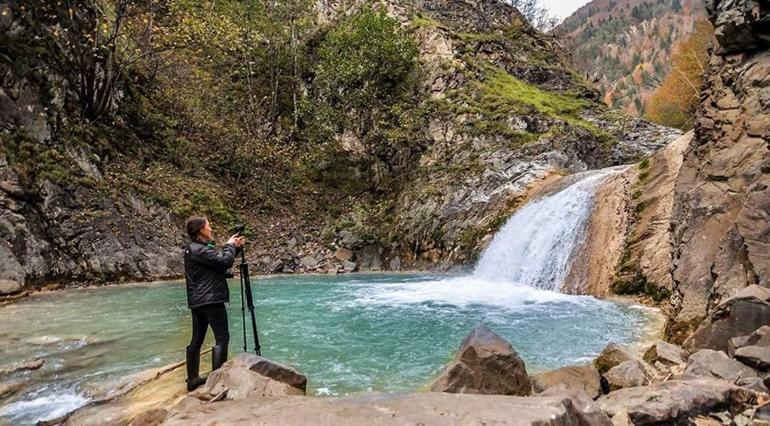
<point x="238" y="230"/>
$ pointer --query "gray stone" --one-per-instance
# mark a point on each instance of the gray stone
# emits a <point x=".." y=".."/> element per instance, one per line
<point x="674" y="401"/>
<point x="754" y="356"/>
<point x="583" y="378"/>
<point x="485" y="364"/>
<point x="9" y="286"/>
<point x="627" y="374"/>
<point x="708" y="363"/>
<point x="349" y="266"/>
<point x="309" y="262"/>
<point x="760" y="337"/>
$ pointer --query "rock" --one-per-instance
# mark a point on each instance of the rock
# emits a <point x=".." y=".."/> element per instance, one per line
<point x="309" y="262"/>
<point x="754" y="356"/>
<point x="612" y="355"/>
<point x="395" y="264"/>
<point x="368" y="258"/>
<point x="9" y="286"/>
<point x="25" y="366"/>
<point x="738" y="24"/>
<point x="397" y="409"/>
<point x="248" y="376"/>
<point x="627" y="374"/>
<point x="674" y="401"/>
<point x="349" y="266"/>
<point x="9" y="389"/>
<point x="666" y="354"/>
<point x="276" y="267"/>
<point x="343" y="254"/>
<point x="348" y="239"/>
<point x="622" y="419"/>
<point x="760" y="337"/>
<point x="582" y="378"/>
<point x="737" y="316"/>
<point x="485" y="364"/>
<point x="708" y="363"/>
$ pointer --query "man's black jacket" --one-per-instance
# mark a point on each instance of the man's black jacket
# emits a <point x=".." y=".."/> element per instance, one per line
<point x="204" y="270"/>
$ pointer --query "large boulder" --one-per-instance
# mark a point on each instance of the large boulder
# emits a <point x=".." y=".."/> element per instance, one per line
<point x="674" y="401"/>
<point x="627" y="374"/>
<point x="612" y="355"/>
<point x="737" y="316"/>
<point x="397" y="409"/>
<point x="579" y="378"/>
<point x="248" y="376"/>
<point x="708" y="363"/>
<point x="485" y="364"/>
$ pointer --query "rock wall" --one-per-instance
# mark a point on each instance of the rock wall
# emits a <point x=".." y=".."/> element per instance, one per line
<point x="722" y="196"/>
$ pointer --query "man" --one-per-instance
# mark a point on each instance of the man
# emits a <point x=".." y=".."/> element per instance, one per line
<point x="207" y="292"/>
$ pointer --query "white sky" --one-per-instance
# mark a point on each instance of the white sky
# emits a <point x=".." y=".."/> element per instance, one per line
<point x="563" y="8"/>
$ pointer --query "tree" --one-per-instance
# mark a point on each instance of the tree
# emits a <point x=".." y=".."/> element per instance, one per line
<point x="674" y="102"/>
<point x="93" y="43"/>
<point x="536" y="14"/>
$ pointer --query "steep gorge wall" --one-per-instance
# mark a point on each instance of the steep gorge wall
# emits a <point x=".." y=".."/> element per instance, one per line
<point x="722" y="197"/>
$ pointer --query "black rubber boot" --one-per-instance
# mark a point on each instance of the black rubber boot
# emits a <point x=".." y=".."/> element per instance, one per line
<point x="218" y="356"/>
<point x="193" y="365"/>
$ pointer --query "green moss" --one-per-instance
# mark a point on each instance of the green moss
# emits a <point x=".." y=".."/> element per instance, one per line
<point x="503" y="89"/>
<point x="422" y="21"/>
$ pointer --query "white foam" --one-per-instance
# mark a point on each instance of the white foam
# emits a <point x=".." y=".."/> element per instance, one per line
<point x="463" y="292"/>
<point x="44" y="407"/>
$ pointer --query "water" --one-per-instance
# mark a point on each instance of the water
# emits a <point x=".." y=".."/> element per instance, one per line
<point x="535" y="247"/>
<point x="388" y="332"/>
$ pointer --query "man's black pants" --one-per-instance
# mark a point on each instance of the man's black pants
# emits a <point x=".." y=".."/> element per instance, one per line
<point x="214" y="315"/>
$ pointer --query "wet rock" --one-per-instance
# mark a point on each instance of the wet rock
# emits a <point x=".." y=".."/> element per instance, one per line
<point x="9" y="389"/>
<point x="397" y="409"/>
<point x="665" y="353"/>
<point x="612" y="355"/>
<point x="627" y="374"/>
<point x="485" y="364"/>
<point x="674" y="401"/>
<point x="25" y="366"/>
<point x="580" y="378"/>
<point x="737" y="316"/>
<point x="709" y="363"/>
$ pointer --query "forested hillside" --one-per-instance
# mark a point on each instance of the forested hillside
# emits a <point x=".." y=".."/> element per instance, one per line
<point x="625" y="46"/>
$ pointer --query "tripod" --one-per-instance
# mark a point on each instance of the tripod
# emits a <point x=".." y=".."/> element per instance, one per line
<point x="248" y="301"/>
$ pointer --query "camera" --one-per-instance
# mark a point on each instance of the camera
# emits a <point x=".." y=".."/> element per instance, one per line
<point x="239" y="229"/>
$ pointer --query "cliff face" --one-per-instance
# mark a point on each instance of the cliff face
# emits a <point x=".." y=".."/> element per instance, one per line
<point x="722" y="198"/>
<point x="626" y="45"/>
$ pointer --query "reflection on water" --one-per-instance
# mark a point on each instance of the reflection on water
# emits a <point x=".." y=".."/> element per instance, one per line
<point x="347" y="333"/>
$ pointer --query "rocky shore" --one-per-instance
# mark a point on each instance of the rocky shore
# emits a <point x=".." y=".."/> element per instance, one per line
<point x="485" y="383"/>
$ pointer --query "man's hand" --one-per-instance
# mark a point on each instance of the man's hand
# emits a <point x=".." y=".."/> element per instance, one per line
<point x="237" y="241"/>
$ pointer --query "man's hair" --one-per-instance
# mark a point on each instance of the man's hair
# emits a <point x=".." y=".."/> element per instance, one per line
<point x="194" y="225"/>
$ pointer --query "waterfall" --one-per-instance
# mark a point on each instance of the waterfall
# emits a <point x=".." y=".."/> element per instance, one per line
<point x="535" y="247"/>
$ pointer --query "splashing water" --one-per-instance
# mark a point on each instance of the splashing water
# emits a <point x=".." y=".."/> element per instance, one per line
<point x="535" y="247"/>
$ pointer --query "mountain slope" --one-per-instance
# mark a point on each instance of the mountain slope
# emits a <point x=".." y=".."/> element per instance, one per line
<point x="625" y="45"/>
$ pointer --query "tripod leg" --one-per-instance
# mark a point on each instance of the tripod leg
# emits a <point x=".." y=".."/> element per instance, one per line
<point x="243" y="313"/>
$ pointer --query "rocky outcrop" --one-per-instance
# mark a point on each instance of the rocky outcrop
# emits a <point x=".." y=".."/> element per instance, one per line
<point x="722" y="193"/>
<point x="675" y="401"/>
<point x="737" y="316"/>
<point x="613" y="354"/>
<point x="583" y="378"/>
<point x="485" y="364"/>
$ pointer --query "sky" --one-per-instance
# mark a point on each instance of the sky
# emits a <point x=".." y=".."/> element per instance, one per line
<point x="562" y="8"/>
